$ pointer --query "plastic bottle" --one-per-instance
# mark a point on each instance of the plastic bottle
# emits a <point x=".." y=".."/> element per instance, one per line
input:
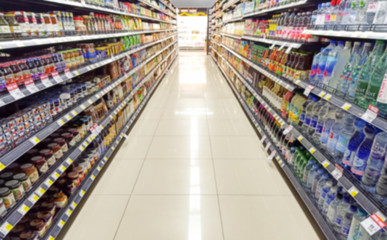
<point x="345" y="135"/>
<point x="347" y="220"/>
<point x="302" y="120"/>
<point x="346" y="13"/>
<point x="308" y="114"/>
<point x="356" y="139"/>
<point x="314" y="119"/>
<point x="335" y="131"/>
<point x="331" y="195"/>
<point x="324" y="191"/>
<point x="381" y="12"/>
<point x="340" y="212"/>
<point x="349" y="88"/>
<point x="353" y="13"/>
<point x="314" y="16"/>
<point x="355" y="225"/>
<point x="381" y="99"/>
<point x="328" y="123"/>
<point x="311" y="176"/>
<point x="332" y="208"/>
<point x="360" y="161"/>
<point x="339" y="11"/>
<point x="361" y="17"/>
<point x="322" y="115"/>
<point x="365" y="74"/>
<point x="308" y="168"/>
<point x="313" y="70"/>
<point x="371" y="11"/>
<point x="375" y="163"/>
<point x="320" y="16"/>
<point x="320" y="184"/>
<point x="322" y="61"/>
<point x="316" y="179"/>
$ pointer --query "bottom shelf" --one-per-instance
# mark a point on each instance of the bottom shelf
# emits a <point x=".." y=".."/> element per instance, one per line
<point x="65" y="213"/>
<point x="274" y="153"/>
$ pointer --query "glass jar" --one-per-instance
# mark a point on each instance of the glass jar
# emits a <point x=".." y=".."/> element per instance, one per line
<point x="5" y="30"/>
<point x="40" y="163"/>
<point x="48" y="154"/>
<point x="38" y="225"/>
<point x="6" y="176"/>
<point x="62" y="143"/>
<point x="16" y="188"/>
<point x="60" y="200"/>
<point x="29" y="235"/>
<point x="49" y="207"/>
<point x="57" y="150"/>
<point x="69" y="139"/>
<point x="31" y="171"/>
<point x="7" y="196"/>
<point x="25" y="181"/>
<point x="16" y="231"/>
<point x="73" y="178"/>
<point x="3" y="209"/>
<point x="81" y="172"/>
<point x="75" y="134"/>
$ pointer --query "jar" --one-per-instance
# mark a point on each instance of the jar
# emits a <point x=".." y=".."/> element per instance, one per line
<point x="81" y="172"/>
<point x="6" y="176"/>
<point x="31" y="172"/>
<point x="29" y="235"/>
<point x="14" y="167"/>
<point x="69" y="139"/>
<point x="5" y="30"/>
<point x="3" y="209"/>
<point x="33" y="213"/>
<point x="57" y="150"/>
<point x="24" y="220"/>
<point x="16" y="231"/>
<point x="7" y="196"/>
<point x="16" y="188"/>
<point x="75" y="134"/>
<point x="62" y="143"/>
<point x="25" y="181"/>
<point x="38" y="226"/>
<point x="60" y="200"/>
<point x="40" y="163"/>
<point x="2" y="181"/>
<point x="49" y="207"/>
<point x="32" y="152"/>
<point x="44" y="215"/>
<point x="48" y="154"/>
<point x="85" y="164"/>
<point x="73" y="178"/>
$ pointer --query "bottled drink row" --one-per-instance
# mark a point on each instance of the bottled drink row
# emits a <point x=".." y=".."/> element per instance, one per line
<point x="354" y="71"/>
<point x="340" y="210"/>
<point x="24" y="25"/>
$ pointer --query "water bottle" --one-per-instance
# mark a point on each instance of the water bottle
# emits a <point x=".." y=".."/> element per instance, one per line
<point x="335" y="131"/>
<point x="320" y="173"/>
<point x="308" y="115"/>
<point x="371" y="11"/>
<point x="324" y="191"/>
<point x="332" y="208"/>
<point x="375" y="163"/>
<point x="354" y="143"/>
<point x="330" y="196"/>
<point x="314" y="68"/>
<point x="360" y="161"/>
<point x="346" y="13"/>
<point x="313" y="122"/>
<point x="345" y="135"/>
<point x="307" y="170"/>
<point x="355" y="225"/>
<point x="361" y="17"/>
<point x="328" y="123"/>
<point x="381" y="99"/>
<point x="347" y="220"/>
<point x="303" y="111"/>
<point x="353" y="13"/>
<point x="340" y="12"/>
<point x="322" y="61"/>
<point x="340" y="213"/>
<point x="311" y="176"/>
<point x="320" y="184"/>
<point x="322" y="116"/>
<point x="330" y="64"/>
<point x="381" y="12"/>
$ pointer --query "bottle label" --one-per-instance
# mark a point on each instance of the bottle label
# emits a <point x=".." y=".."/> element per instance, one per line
<point x="320" y="125"/>
<point x="302" y="116"/>
<point x="338" y="220"/>
<point x="313" y="123"/>
<point x="372" y="7"/>
<point x="307" y="120"/>
<point x="5" y="29"/>
<point x="342" y="144"/>
<point x="345" y="229"/>
<point x="358" y="166"/>
<point x="382" y="96"/>
<point x="332" y="140"/>
<point x="372" y="92"/>
<point x="347" y="156"/>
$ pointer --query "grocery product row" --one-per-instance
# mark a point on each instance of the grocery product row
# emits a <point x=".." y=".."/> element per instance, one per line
<point x="339" y="214"/>
<point x="47" y="160"/>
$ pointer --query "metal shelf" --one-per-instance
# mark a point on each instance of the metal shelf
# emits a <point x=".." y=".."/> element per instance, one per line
<point x="233" y="20"/>
<point x="7" y="98"/>
<point x="364" y="199"/>
<point x="49" y="178"/>
<point x="273" y="9"/>
<point x="266" y="139"/>
<point x="156" y="8"/>
<point x="272" y="41"/>
<point x="229" y="4"/>
<point x="21" y="149"/>
<point x="86" y="6"/>
<point x="348" y="34"/>
<point x="64" y="214"/>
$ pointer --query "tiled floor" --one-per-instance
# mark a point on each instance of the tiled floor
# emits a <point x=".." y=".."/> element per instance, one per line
<point x="191" y="169"/>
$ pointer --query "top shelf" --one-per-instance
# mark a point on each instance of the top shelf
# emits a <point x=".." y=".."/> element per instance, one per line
<point x="348" y="34"/>
<point x="157" y="8"/>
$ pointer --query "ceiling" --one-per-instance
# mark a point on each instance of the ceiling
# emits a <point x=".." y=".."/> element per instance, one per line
<point x="193" y="3"/>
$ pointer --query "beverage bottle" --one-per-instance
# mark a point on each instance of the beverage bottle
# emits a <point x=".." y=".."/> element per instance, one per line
<point x="322" y="62"/>
<point x="355" y="224"/>
<point x="340" y="213"/>
<point x="316" y="179"/>
<point x="314" y="15"/>
<point x="321" y="118"/>
<point x="313" y="70"/>
<point x="381" y="100"/>
<point x="371" y="11"/>
<point x="335" y="65"/>
<point x="345" y="134"/>
<point x="347" y="220"/>
<point x="372" y="174"/>
<point x="365" y="74"/>
<point x="356" y="139"/>
<point x="330" y="196"/>
<point x="381" y="12"/>
<point x="347" y="71"/>
<point x="292" y="67"/>
<point x="346" y="13"/>
<point x="361" y="17"/>
<point x="330" y="18"/>
<point x="353" y="13"/>
<point x="301" y="167"/>
<point x="332" y="208"/>
<point x="340" y="12"/>
<point x="287" y="65"/>
<point x="376" y="80"/>
<point x="285" y="101"/>
<point x="349" y="88"/>
<point x="314" y="117"/>
<point x="312" y="175"/>
<point x="324" y="191"/>
<point x="303" y="110"/>
<point x="301" y="69"/>
<point x="327" y="125"/>
<point x="360" y="161"/>
<point x="319" y="186"/>
<point x="335" y="131"/>
<point x="297" y="104"/>
<point x="307" y="170"/>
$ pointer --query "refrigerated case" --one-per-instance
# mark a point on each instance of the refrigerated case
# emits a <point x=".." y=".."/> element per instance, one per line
<point x="192" y="31"/>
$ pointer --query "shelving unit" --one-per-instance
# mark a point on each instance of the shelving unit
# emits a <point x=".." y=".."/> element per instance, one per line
<point x="350" y="184"/>
<point x="165" y="56"/>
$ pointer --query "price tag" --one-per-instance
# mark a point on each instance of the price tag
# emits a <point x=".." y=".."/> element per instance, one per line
<point x="5" y="228"/>
<point x="271" y="156"/>
<point x="282" y="46"/>
<point x="68" y="117"/>
<point x="308" y="89"/>
<point x="353" y="191"/>
<point x="68" y="73"/>
<point x="23" y="209"/>
<point x="289" y="49"/>
<point x="371" y="113"/>
<point x="45" y="81"/>
<point x="312" y="150"/>
<point x="34" y="140"/>
<point x="272" y="46"/>
<point x="60" y="122"/>
<point x="2" y="166"/>
<point x="14" y="91"/>
<point x="322" y="94"/>
<point x="124" y="135"/>
<point x="61" y="223"/>
<point x="328" y="97"/>
<point x="267" y="146"/>
<point x="82" y="193"/>
<point x="263" y="138"/>
<point x="288" y="129"/>
<point x="30" y="85"/>
<point x="83" y="107"/>
<point x="346" y="106"/>
<point x="57" y="77"/>
<point x="325" y="163"/>
<point x="90" y="101"/>
<point x="337" y="174"/>
<point x="373" y="224"/>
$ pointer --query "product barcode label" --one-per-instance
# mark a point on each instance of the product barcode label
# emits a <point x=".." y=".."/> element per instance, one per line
<point x="308" y="89"/>
<point x="346" y="106"/>
<point x="370" y="226"/>
<point x="263" y="138"/>
<point x="267" y="146"/>
<point x="68" y="73"/>
<point x="270" y="157"/>
<point x="337" y="174"/>
<point x="14" y="91"/>
<point x="57" y="77"/>
<point x="5" y="228"/>
<point x="353" y="191"/>
<point x="31" y="87"/>
<point x="288" y="129"/>
<point x="45" y="81"/>
<point x="371" y="113"/>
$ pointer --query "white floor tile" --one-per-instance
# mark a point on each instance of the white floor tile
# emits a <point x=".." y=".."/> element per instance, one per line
<point x="188" y="127"/>
<point x="144" y="127"/>
<point x="134" y="147"/>
<point x="99" y="218"/>
<point x="171" y="218"/>
<point x="176" y="177"/>
<point x="236" y="147"/>
<point x="221" y="127"/>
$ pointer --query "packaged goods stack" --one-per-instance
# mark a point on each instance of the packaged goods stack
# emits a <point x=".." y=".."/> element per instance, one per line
<point x="73" y="79"/>
<point x="312" y="78"/>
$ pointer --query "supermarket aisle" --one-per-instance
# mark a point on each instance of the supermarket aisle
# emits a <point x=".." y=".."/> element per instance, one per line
<point x="192" y="168"/>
